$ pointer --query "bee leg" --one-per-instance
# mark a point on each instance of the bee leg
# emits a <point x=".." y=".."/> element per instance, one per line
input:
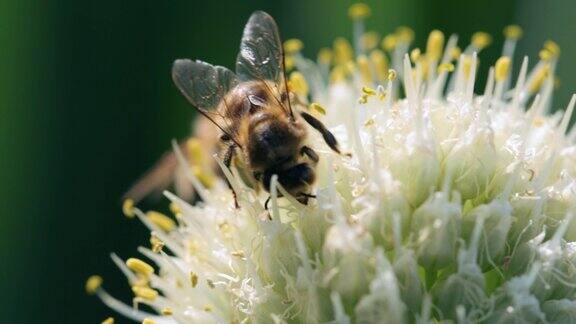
<point x="326" y="134"/>
<point x="304" y="197"/>
<point x="228" y="155"/>
<point x="305" y="150"/>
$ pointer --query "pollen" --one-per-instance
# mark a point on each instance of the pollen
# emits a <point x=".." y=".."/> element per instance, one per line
<point x="481" y="40"/>
<point x="148" y="321"/>
<point x="318" y="108"/>
<point x="93" y="284"/>
<point x="466" y="65"/>
<point x="293" y="46"/>
<point x="139" y="266"/>
<point x="325" y="56"/>
<point x="109" y="320"/>
<point x="161" y="220"/>
<point x="193" y="279"/>
<point x="167" y="311"/>
<point x="392" y="75"/>
<point x="156" y="244"/>
<point x="145" y="292"/>
<point x="435" y="45"/>
<point x="502" y="68"/>
<point x="368" y="91"/>
<point x="128" y="208"/>
<point x="513" y="32"/>
<point x="359" y="11"/>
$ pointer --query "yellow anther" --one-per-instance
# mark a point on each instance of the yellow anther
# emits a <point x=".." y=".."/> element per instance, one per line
<point x="435" y="45"/>
<point x="109" y="320"/>
<point x="350" y="67"/>
<point x="148" y="321"/>
<point x="204" y="176"/>
<point x="545" y="55"/>
<point x="513" y="32"/>
<point x="405" y="34"/>
<point x="174" y="208"/>
<point x="325" y="56"/>
<point x="128" y="208"/>
<point x="207" y="308"/>
<point x="380" y="63"/>
<point x="193" y="279"/>
<point x="481" y="40"/>
<point x="455" y="52"/>
<point x="466" y="65"/>
<point x="338" y="74"/>
<point x="298" y="84"/>
<point x="161" y="220"/>
<point x="415" y="54"/>
<point x="370" y="40"/>
<point x="289" y="62"/>
<point x="93" y="284"/>
<point x="445" y="67"/>
<point x="293" y="46"/>
<point x="368" y="91"/>
<point x="343" y="52"/>
<point x="391" y="75"/>
<point x="364" y="69"/>
<point x="369" y="122"/>
<point x="195" y="150"/>
<point x="363" y="99"/>
<point x="539" y="78"/>
<point x="139" y="266"/>
<point x="359" y="11"/>
<point x="156" y="243"/>
<point x="167" y="311"/>
<point x="501" y="69"/>
<point x="317" y="108"/>
<point x="238" y="254"/>
<point x="553" y="47"/>
<point x="389" y="42"/>
<point x="145" y="292"/>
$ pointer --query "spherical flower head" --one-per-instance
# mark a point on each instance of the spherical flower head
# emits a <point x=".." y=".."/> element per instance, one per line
<point x="445" y="204"/>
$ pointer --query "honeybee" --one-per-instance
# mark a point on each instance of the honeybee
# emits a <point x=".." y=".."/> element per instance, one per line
<point x="253" y="111"/>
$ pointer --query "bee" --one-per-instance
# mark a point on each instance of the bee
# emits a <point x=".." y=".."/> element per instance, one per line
<point x="252" y="109"/>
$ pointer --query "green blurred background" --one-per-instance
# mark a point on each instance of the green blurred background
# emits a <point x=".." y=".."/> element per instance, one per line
<point x="87" y="105"/>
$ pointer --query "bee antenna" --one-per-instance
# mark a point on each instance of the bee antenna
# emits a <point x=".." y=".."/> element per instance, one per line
<point x="286" y="83"/>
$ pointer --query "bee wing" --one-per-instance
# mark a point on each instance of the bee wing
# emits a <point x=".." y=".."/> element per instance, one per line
<point x="203" y="84"/>
<point x="260" y="56"/>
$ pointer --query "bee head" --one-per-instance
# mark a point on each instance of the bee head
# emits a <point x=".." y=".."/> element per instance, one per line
<point x="296" y="179"/>
<point x="272" y="141"/>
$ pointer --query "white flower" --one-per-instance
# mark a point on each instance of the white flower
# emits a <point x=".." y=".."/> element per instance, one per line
<point x="453" y="206"/>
